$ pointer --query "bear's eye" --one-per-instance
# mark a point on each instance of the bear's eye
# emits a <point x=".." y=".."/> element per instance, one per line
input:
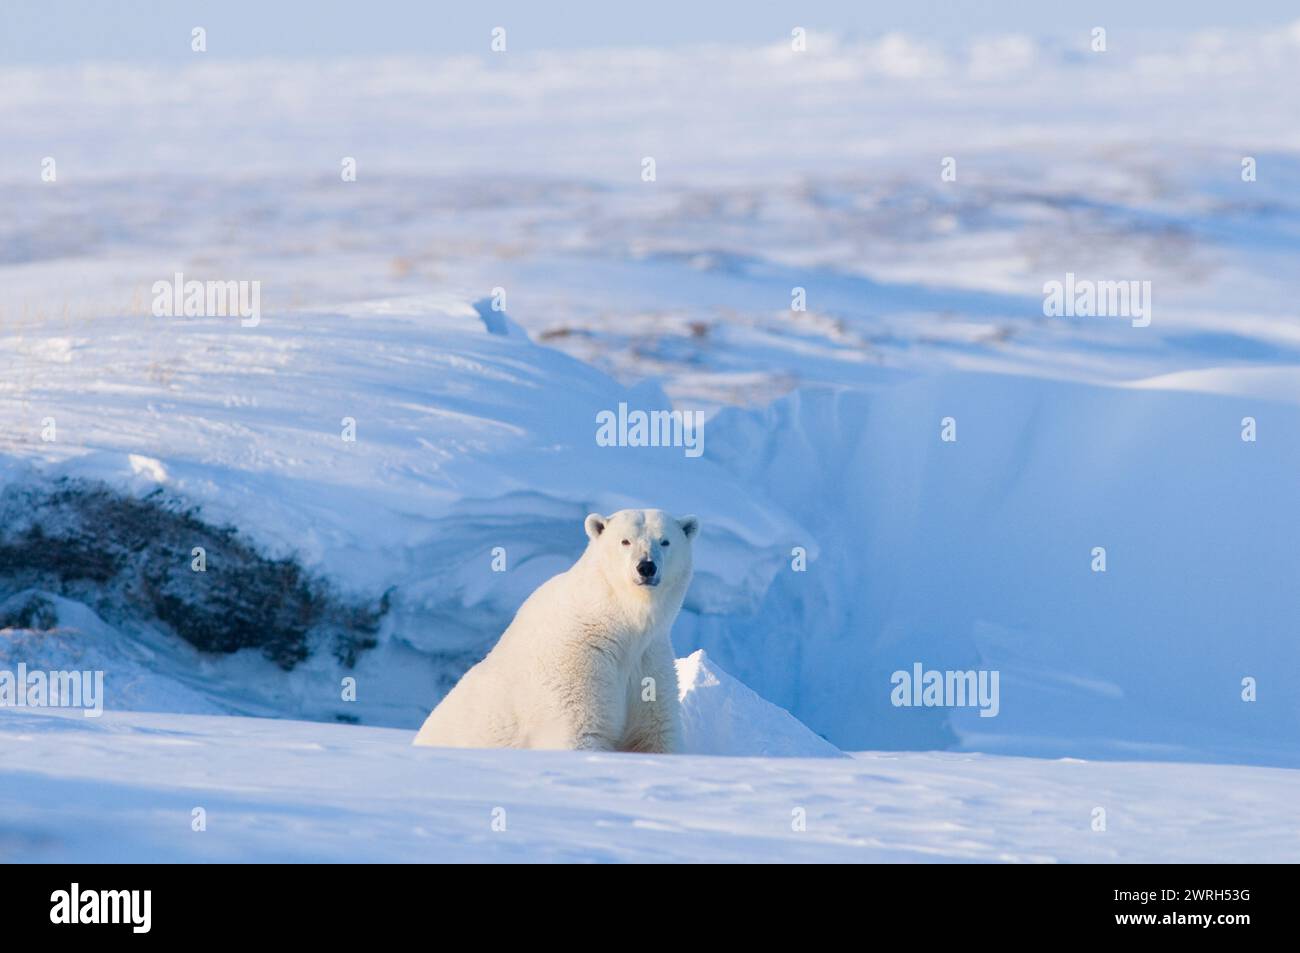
<point x="627" y="542"/>
<point x="663" y="542"/>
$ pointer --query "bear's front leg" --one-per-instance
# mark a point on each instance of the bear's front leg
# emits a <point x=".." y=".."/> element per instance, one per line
<point x="654" y="719"/>
<point x="590" y="705"/>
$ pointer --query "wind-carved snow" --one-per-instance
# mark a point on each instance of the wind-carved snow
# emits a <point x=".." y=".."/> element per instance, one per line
<point x="974" y="554"/>
<point x="466" y="441"/>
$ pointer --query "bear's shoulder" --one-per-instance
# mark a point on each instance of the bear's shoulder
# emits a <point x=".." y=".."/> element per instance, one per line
<point x="575" y="595"/>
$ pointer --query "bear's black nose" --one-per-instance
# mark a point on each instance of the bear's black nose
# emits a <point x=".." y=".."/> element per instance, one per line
<point x="646" y="568"/>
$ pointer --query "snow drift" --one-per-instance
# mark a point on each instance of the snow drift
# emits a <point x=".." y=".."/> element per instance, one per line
<point x="720" y="716"/>
<point x="473" y="442"/>
<point x="979" y="554"/>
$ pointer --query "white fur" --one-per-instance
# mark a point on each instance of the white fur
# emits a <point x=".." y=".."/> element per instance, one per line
<point x="569" y="670"/>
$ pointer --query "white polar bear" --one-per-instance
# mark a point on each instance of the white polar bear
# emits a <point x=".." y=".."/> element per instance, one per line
<point x="587" y="662"/>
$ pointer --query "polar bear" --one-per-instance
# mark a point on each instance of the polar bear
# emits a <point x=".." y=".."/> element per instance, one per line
<point x="587" y="663"/>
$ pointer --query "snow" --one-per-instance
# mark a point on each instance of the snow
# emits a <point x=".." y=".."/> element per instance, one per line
<point x="978" y="555"/>
<point x="137" y="673"/>
<point x="957" y="561"/>
<point x="475" y="434"/>
<point x="720" y="716"/>
<point x="124" y="788"/>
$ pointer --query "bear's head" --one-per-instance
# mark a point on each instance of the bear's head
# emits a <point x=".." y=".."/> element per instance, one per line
<point x="647" y="550"/>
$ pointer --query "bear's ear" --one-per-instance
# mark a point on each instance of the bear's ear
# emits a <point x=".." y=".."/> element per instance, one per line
<point x="690" y="526"/>
<point x="594" y="525"/>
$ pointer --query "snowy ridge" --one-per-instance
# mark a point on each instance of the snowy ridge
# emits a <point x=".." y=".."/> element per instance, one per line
<point x="466" y="441"/>
<point x="971" y="555"/>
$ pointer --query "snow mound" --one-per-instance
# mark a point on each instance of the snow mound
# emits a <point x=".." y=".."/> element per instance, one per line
<point x="721" y="716"/>
<point x="49" y="633"/>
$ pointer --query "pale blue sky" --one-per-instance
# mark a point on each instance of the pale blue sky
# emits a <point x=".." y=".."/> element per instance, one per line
<point x="69" y="31"/>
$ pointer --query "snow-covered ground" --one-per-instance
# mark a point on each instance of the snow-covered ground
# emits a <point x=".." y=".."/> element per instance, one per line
<point x="126" y="788"/>
<point x="521" y="177"/>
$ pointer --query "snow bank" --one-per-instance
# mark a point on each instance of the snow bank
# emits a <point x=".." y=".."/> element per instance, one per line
<point x="470" y="441"/>
<point x="967" y="555"/>
<point x="720" y="716"/>
<point x="48" y="633"/>
<point x="978" y="554"/>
